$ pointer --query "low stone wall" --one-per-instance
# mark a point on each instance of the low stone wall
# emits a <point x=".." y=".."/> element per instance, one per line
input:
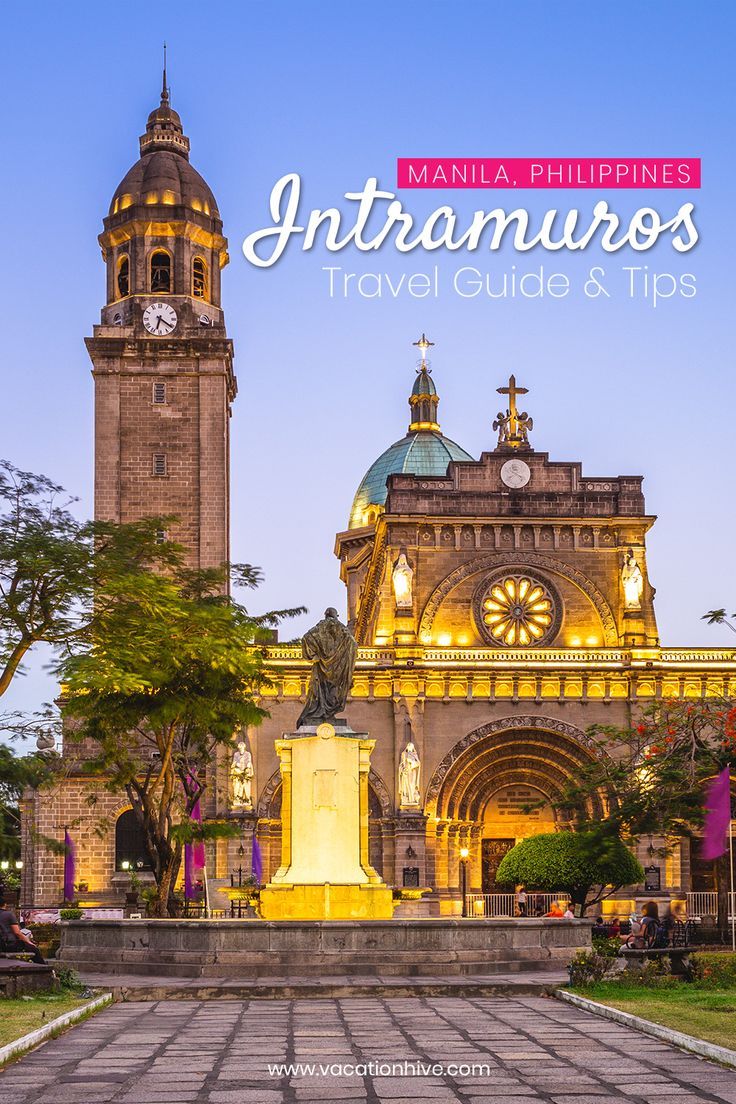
<point x="259" y="948"/>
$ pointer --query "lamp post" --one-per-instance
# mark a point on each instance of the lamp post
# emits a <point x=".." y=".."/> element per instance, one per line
<point x="464" y="877"/>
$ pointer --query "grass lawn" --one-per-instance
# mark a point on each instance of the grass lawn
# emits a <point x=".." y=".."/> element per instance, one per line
<point x="19" y="1015"/>
<point x="705" y="1013"/>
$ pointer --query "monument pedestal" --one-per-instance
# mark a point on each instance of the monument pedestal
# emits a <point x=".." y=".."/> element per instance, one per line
<point x="325" y="873"/>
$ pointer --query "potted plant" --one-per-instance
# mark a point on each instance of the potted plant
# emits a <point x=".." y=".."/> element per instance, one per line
<point x="132" y="895"/>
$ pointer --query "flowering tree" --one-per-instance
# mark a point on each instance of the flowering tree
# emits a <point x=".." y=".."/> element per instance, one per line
<point x="652" y="776"/>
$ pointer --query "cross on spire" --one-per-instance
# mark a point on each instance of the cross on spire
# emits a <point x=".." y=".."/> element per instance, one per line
<point x="513" y="427"/>
<point x="423" y="344"/>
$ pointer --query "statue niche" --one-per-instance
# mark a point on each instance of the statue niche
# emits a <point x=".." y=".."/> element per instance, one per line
<point x="632" y="581"/>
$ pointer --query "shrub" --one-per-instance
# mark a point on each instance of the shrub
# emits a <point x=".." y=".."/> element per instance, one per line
<point x="609" y="948"/>
<point x="70" y="914"/>
<point x="572" y="861"/>
<point x="588" y="967"/>
<point x="67" y="978"/>
<point x="715" y="969"/>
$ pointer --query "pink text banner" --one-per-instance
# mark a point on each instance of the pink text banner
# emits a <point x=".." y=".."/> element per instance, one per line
<point x="548" y="172"/>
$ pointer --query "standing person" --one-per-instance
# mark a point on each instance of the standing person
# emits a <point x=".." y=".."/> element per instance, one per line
<point x="521" y="901"/>
<point x="12" y="938"/>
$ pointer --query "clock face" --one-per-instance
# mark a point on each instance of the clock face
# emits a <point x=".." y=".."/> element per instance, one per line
<point x="515" y="474"/>
<point x="159" y="319"/>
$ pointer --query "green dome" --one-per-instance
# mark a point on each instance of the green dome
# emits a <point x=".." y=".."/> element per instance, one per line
<point x="421" y="453"/>
<point x="424" y="384"/>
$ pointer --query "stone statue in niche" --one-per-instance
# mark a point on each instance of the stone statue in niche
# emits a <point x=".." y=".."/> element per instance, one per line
<point x="332" y="649"/>
<point x="632" y="581"/>
<point x="409" y="776"/>
<point x="241" y="776"/>
<point x="402" y="578"/>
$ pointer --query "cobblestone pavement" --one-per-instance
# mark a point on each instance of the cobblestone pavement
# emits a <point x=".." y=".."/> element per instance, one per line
<point x="533" y="1048"/>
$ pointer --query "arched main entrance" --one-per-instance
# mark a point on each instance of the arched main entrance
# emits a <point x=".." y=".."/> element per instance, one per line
<point x="479" y="797"/>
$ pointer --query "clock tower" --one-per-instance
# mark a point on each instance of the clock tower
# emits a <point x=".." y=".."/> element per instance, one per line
<point x="162" y="360"/>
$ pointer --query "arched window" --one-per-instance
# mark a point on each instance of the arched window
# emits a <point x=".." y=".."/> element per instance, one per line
<point x="160" y="271"/>
<point x="123" y="276"/>
<point x="199" y="278"/>
<point x="130" y="843"/>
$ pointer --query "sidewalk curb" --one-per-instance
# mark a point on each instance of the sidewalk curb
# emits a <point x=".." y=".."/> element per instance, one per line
<point x="678" y="1038"/>
<point x="41" y="1034"/>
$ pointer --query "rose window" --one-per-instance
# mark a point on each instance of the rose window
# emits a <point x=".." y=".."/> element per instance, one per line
<point x="517" y="610"/>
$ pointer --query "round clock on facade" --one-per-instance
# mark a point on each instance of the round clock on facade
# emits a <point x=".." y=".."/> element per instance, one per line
<point x="515" y="474"/>
<point x="160" y="319"/>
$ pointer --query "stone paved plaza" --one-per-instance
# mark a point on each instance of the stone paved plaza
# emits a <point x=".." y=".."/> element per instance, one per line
<point x="535" y="1048"/>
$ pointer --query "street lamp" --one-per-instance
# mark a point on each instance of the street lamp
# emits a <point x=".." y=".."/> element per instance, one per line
<point x="464" y="877"/>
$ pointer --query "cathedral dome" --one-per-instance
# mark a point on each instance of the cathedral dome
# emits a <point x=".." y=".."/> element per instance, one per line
<point x="163" y="174"/>
<point x="424" y="451"/>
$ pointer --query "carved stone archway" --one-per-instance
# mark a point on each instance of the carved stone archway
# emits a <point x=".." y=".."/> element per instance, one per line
<point x="522" y="726"/>
<point x="266" y="807"/>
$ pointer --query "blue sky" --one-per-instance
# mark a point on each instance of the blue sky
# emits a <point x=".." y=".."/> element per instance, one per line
<point x="336" y="92"/>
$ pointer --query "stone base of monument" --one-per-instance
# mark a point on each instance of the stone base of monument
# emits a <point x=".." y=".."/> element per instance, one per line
<point x="325" y="872"/>
<point x="326" y="902"/>
<point x="250" y="949"/>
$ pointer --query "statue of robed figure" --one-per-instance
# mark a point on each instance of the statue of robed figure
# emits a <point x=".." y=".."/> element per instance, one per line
<point x="332" y="649"/>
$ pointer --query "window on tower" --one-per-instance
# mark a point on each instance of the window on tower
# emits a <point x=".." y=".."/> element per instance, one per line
<point x="123" y="276"/>
<point x="160" y="271"/>
<point x="199" y="278"/>
<point x="160" y="466"/>
<point x="159" y="393"/>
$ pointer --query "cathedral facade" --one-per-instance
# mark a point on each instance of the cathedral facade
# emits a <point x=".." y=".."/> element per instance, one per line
<point x="502" y="605"/>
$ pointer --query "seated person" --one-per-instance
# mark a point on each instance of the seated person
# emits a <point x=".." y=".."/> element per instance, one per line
<point x="12" y="939"/>
<point x="654" y="932"/>
<point x="556" y="910"/>
<point x="569" y="913"/>
<point x="614" y="927"/>
<point x="635" y="937"/>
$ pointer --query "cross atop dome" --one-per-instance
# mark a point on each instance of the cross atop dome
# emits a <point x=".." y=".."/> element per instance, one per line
<point x="423" y="344"/>
<point x="513" y="427"/>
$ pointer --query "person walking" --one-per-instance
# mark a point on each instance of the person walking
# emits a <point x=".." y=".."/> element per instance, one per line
<point x="521" y="901"/>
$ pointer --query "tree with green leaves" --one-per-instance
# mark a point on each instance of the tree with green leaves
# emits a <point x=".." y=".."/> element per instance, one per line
<point x="587" y="866"/>
<point x="17" y="773"/>
<point x="170" y="669"/>
<point x="44" y="567"/>
<point x="653" y="775"/>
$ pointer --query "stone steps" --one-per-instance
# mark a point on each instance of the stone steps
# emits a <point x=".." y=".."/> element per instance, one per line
<point x="155" y="988"/>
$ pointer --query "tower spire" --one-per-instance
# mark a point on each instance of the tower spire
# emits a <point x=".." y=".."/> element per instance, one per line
<point x="423" y="400"/>
<point x="164" y="85"/>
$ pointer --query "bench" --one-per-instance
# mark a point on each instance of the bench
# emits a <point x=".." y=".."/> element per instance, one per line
<point x="679" y="958"/>
<point x="18" y="976"/>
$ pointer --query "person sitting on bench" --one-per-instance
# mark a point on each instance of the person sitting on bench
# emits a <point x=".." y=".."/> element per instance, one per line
<point x="12" y="939"/>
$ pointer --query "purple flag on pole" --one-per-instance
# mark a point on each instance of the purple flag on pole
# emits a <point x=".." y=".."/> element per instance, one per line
<point x="188" y="872"/>
<point x="257" y="861"/>
<point x="198" y="852"/>
<point x="69" y="867"/>
<point x="718" y="816"/>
